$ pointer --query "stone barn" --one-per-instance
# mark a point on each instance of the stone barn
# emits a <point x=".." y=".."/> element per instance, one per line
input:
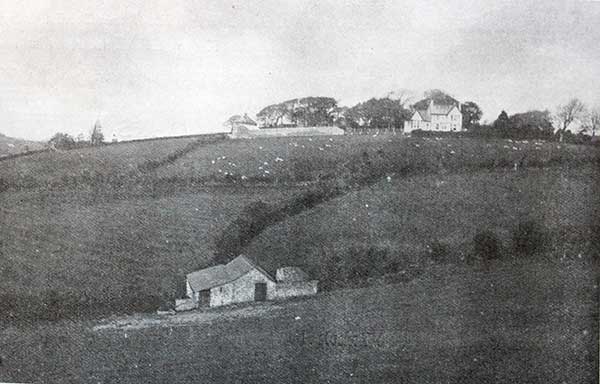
<point x="242" y="280"/>
<point x="238" y="281"/>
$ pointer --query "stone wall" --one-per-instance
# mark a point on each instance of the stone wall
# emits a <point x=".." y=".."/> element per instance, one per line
<point x="294" y="289"/>
<point x="239" y="133"/>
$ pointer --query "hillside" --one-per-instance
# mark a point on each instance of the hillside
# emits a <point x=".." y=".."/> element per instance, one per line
<point x="114" y="229"/>
<point x="400" y="221"/>
<point x="11" y="146"/>
<point x="518" y="322"/>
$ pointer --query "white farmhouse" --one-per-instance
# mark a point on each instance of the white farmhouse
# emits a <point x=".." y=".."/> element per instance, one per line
<point x="437" y="117"/>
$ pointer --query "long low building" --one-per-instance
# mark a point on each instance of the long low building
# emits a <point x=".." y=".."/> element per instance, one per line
<point x="239" y="131"/>
<point x="242" y="280"/>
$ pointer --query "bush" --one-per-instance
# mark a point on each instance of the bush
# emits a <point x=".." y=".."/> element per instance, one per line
<point x="486" y="245"/>
<point x="529" y="237"/>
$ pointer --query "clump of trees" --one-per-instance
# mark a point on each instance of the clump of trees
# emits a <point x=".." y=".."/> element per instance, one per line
<point x="527" y="125"/>
<point x="536" y="124"/>
<point x="61" y="140"/>
<point x="304" y="112"/>
<point x="384" y="113"/>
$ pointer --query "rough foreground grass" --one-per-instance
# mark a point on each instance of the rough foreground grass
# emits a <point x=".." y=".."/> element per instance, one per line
<point x="518" y="322"/>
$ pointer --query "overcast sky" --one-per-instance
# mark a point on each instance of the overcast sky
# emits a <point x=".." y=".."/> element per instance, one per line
<point x="173" y="67"/>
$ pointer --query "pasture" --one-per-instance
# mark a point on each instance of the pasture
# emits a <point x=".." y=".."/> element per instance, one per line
<point x="99" y="231"/>
<point x="68" y="168"/>
<point x="517" y="322"/>
<point x="403" y="217"/>
<point x="306" y="159"/>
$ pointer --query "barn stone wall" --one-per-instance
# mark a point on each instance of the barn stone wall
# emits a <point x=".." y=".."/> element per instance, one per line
<point x="294" y="289"/>
<point x="241" y="133"/>
<point x="240" y="290"/>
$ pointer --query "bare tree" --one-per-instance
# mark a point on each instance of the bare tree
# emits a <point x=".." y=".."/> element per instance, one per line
<point x="594" y="120"/>
<point x="567" y="114"/>
<point x="402" y="96"/>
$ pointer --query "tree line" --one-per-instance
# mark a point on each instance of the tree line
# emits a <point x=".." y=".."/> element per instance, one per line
<point x="390" y="112"/>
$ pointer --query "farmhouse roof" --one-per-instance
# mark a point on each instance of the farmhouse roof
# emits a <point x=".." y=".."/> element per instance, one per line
<point x="440" y="109"/>
<point x="435" y="109"/>
<point x="424" y="115"/>
<point x="223" y="273"/>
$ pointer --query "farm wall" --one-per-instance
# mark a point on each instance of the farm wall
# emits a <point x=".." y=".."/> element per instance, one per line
<point x="185" y="304"/>
<point x="240" y="133"/>
<point x="240" y="290"/>
<point x="294" y="289"/>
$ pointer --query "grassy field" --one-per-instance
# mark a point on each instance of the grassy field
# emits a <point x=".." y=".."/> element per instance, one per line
<point x="404" y="216"/>
<point x="56" y="169"/>
<point x="308" y="159"/>
<point x="10" y="146"/>
<point x="119" y="249"/>
<point x="517" y="322"/>
<point x="71" y="238"/>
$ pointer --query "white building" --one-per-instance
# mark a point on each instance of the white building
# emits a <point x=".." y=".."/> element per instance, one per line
<point x="242" y="280"/>
<point x="437" y="117"/>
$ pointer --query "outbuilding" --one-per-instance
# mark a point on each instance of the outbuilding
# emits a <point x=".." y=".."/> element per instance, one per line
<point x="242" y="280"/>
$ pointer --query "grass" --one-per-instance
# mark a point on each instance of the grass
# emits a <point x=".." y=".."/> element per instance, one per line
<point x="115" y="228"/>
<point x="58" y="169"/>
<point x="112" y="250"/>
<point x="520" y="322"/>
<point x="288" y="160"/>
<point x="405" y="216"/>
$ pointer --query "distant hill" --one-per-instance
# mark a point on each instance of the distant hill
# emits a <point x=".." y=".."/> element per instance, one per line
<point x="11" y="146"/>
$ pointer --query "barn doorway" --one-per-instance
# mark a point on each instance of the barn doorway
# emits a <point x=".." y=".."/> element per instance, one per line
<point x="260" y="292"/>
<point x="205" y="298"/>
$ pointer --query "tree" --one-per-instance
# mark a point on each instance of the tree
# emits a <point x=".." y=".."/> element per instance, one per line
<point x="62" y="140"/>
<point x="307" y="111"/>
<point x="97" y="137"/>
<point x="500" y="125"/>
<point x="567" y="114"/>
<point x="594" y="121"/>
<point x="526" y="125"/>
<point x="382" y="113"/>
<point x="438" y="97"/>
<point x="471" y="114"/>
<point x="402" y="96"/>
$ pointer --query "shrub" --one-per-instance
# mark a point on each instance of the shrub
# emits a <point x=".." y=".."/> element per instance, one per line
<point x="529" y="237"/>
<point x="486" y="245"/>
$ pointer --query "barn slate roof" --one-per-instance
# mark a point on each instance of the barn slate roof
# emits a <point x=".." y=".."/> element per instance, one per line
<point x="223" y="273"/>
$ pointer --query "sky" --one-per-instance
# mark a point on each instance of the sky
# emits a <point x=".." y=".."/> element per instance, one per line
<point x="176" y="67"/>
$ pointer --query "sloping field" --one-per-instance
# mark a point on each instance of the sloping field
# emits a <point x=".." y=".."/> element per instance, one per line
<point x="517" y="323"/>
<point x="10" y="146"/>
<point x="405" y="216"/>
<point x="76" y="251"/>
<point x="113" y="252"/>
<point x="307" y="159"/>
<point x="64" y="168"/>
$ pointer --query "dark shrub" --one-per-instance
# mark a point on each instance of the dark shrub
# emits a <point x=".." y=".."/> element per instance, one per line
<point x="252" y="220"/>
<point x="486" y="245"/>
<point x="529" y="237"/>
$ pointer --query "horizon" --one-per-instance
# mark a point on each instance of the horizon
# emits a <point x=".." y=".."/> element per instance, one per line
<point x="177" y="68"/>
